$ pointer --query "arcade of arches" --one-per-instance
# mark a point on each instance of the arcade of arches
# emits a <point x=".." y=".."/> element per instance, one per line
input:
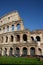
<point x="20" y="51"/>
<point x="12" y="37"/>
<point x="16" y="40"/>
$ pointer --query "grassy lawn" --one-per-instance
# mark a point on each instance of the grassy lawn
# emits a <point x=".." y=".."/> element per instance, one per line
<point x="20" y="60"/>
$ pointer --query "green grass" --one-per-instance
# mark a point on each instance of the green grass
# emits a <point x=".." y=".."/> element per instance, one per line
<point x="20" y="60"/>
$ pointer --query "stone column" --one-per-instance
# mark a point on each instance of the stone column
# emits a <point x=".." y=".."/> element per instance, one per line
<point x="21" y="51"/>
<point x="9" y="38"/>
<point x="4" y="39"/>
<point x="8" y="49"/>
<point x="3" y="51"/>
<point x="21" y="37"/>
<point x="14" y="39"/>
<point x="10" y="28"/>
<point x="0" y="39"/>
<point x="5" y="28"/>
<point x="2" y="30"/>
<point x="29" y="38"/>
<point x="36" y="51"/>
<point x="22" y="26"/>
<point x="42" y="50"/>
<point x="13" y="51"/>
<point x="28" y="51"/>
<point x="38" y="44"/>
<point x="15" y="29"/>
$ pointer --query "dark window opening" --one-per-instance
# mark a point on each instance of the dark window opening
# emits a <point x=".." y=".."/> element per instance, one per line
<point x="3" y="29"/>
<point x="8" y="17"/>
<point x="17" y="53"/>
<point x="32" y="51"/>
<point x="7" y="28"/>
<point x="5" y="52"/>
<point x="25" y="37"/>
<point x="32" y="38"/>
<point x="12" y="27"/>
<point x="38" y="38"/>
<point x="11" y="51"/>
<point x="11" y="38"/>
<point x="18" y="26"/>
<point x="0" y="29"/>
<point x="24" y="51"/>
<point x="18" y="38"/>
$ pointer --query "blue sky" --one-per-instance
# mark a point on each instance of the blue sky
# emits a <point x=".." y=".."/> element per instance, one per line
<point x="31" y="11"/>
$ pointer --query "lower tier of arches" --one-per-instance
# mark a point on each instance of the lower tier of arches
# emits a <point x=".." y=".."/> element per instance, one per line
<point x="19" y="51"/>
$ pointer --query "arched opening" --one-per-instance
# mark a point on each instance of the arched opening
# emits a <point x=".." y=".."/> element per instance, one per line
<point x="24" y="51"/>
<point x="40" y="52"/>
<point x="32" y="51"/>
<point x="12" y="38"/>
<point x="32" y="38"/>
<point x="5" y="52"/>
<point x="11" y="52"/>
<point x="6" y="39"/>
<point x="25" y="37"/>
<point x="12" y="27"/>
<point x="3" y="29"/>
<point x="7" y="28"/>
<point x="18" y="37"/>
<point x="0" y="51"/>
<point x="18" y="26"/>
<point x="37" y="38"/>
<point x="17" y="52"/>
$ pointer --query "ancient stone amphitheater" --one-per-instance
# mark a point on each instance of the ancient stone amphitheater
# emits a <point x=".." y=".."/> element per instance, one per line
<point x="16" y="40"/>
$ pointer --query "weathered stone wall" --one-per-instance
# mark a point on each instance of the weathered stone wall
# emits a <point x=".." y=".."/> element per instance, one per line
<point x="18" y="42"/>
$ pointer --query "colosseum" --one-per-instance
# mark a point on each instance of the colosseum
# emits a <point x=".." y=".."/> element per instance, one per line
<point x="16" y="40"/>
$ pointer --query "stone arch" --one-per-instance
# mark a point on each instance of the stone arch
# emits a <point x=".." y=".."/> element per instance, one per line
<point x="7" y="28"/>
<point x="32" y="38"/>
<point x="38" y="38"/>
<point x="25" y="37"/>
<point x="3" y="29"/>
<point x="5" y="51"/>
<point x="32" y="51"/>
<point x="40" y="51"/>
<point x="17" y="51"/>
<point x="6" y="39"/>
<point x="18" y="38"/>
<point x="12" y="38"/>
<point x="11" y="51"/>
<point x="18" y="26"/>
<point x="24" y="51"/>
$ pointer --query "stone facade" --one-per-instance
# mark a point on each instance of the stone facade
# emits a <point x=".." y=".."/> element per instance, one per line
<point x="16" y="40"/>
